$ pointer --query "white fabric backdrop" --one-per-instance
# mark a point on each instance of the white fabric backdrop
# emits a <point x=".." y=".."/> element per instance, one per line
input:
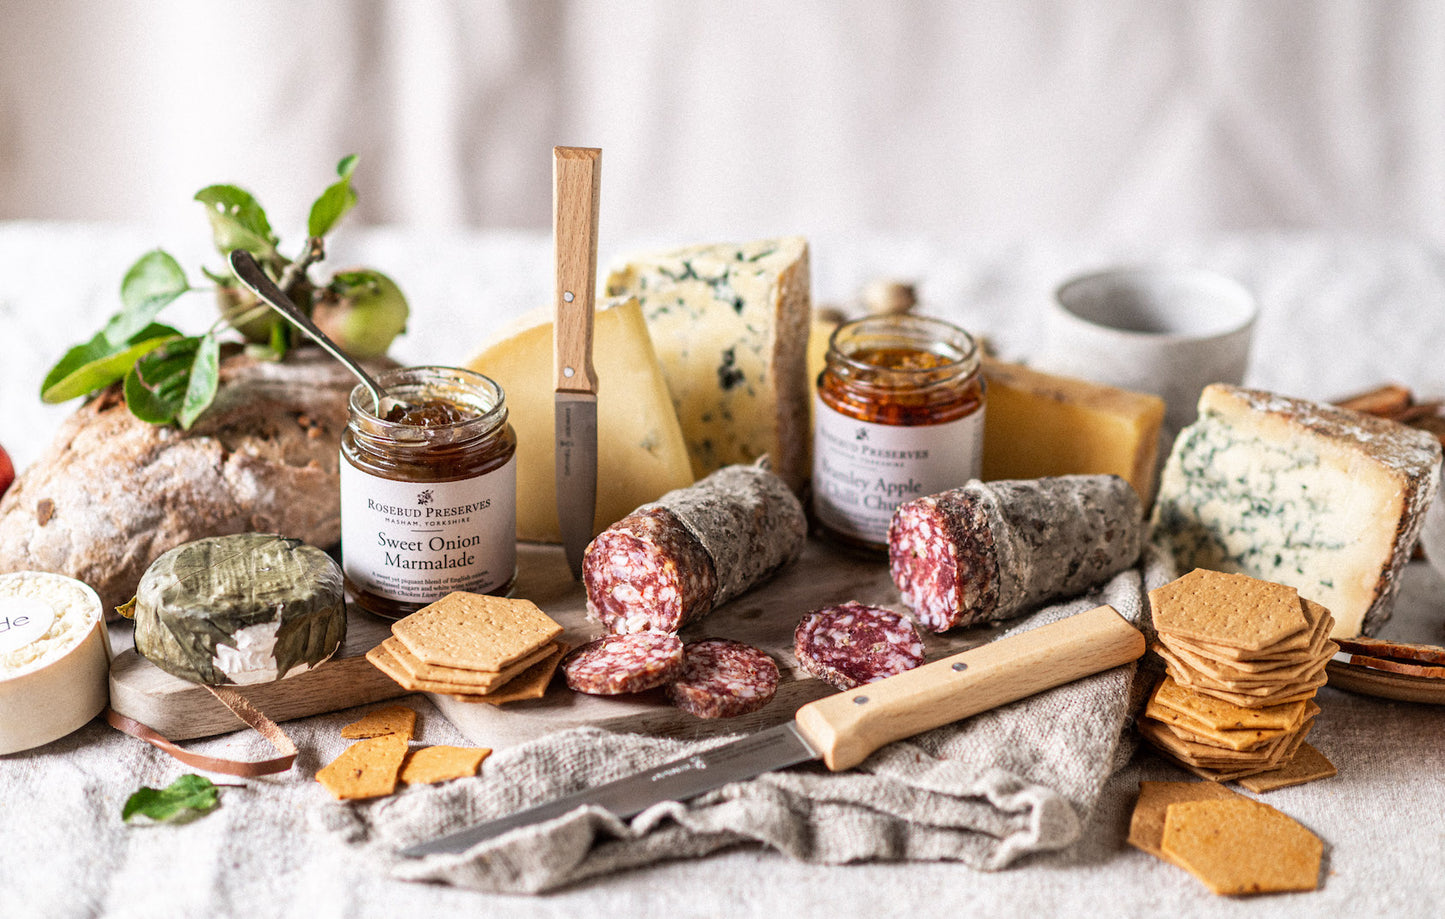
<point x="1125" y="119"/>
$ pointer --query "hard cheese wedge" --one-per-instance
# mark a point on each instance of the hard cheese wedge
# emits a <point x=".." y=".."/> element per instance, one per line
<point x="640" y="449"/>
<point x="730" y="325"/>
<point x="1327" y="501"/>
<point x="1038" y="424"/>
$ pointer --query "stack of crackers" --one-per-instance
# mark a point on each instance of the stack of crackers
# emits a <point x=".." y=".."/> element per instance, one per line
<point x="1244" y="658"/>
<point x="1233" y="844"/>
<point x="383" y="758"/>
<point x="473" y="647"/>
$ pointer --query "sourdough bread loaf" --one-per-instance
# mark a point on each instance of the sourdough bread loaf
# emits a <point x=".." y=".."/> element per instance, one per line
<point x="111" y="492"/>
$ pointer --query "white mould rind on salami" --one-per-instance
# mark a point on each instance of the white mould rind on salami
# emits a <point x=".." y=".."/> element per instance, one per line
<point x="988" y="551"/>
<point x="673" y="561"/>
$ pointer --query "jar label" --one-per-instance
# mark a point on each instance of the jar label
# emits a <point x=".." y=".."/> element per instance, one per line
<point x="862" y="471"/>
<point x="416" y="542"/>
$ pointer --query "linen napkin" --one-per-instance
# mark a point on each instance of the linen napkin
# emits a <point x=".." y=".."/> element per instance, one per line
<point x="986" y="791"/>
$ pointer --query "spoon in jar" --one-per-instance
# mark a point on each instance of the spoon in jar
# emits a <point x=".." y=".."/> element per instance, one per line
<point x="250" y="273"/>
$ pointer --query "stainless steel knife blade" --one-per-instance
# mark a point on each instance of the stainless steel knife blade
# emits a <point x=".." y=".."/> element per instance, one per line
<point x="576" y="458"/>
<point x="775" y="748"/>
<point x="843" y="729"/>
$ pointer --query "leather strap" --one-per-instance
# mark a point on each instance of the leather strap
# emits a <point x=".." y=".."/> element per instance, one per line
<point x="242" y="708"/>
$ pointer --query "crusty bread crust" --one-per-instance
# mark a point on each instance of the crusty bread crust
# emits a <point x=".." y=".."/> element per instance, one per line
<point x="111" y="492"/>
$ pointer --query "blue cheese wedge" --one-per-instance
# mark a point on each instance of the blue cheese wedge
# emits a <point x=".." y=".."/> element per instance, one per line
<point x="1327" y="501"/>
<point x="242" y="609"/>
<point x="730" y="325"/>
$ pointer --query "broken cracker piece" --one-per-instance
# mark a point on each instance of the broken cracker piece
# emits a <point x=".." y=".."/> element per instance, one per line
<point x="429" y="765"/>
<point x="366" y="769"/>
<point x="394" y="719"/>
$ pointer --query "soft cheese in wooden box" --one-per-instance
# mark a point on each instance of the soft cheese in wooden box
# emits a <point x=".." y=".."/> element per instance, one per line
<point x="54" y="654"/>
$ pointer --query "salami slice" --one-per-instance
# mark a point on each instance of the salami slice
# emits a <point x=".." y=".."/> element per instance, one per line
<point x="673" y="561"/>
<point x="853" y="644"/>
<point x="616" y="664"/>
<point x="724" y="679"/>
<point x="990" y="550"/>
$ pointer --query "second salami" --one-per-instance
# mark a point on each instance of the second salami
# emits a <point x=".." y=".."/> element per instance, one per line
<point x="673" y="561"/>
<point x="990" y="550"/>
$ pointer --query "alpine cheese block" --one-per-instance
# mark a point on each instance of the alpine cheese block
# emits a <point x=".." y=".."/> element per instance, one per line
<point x="1038" y="424"/>
<point x="730" y="325"/>
<point x="242" y="609"/>
<point x="1327" y="501"/>
<point x="640" y="449"/>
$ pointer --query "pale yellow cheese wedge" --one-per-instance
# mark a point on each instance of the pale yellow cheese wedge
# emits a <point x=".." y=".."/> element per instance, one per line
<point x="640" y="448"/>
<point x="1039" y="424"/>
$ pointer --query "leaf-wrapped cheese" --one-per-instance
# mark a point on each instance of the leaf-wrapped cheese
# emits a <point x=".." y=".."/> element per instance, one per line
<point x="241" y="609"/>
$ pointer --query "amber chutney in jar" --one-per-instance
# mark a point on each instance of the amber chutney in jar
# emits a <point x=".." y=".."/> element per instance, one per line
<point x="898" y="415"/>
<point x="428" y="491"/>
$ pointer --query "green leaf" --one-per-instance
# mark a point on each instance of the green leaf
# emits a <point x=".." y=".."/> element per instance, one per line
<point x="205" y="377"/>
<point x="150" y="285"/>
<point x="334" y="202"/>
<point x="99" y="363"/>
<point x="186" y="798"/>
<point x="174" y="382"/>
<point x="237" y="221"/>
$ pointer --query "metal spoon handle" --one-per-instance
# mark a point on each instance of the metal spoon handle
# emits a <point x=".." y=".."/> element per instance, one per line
<point x="250" y="273"/>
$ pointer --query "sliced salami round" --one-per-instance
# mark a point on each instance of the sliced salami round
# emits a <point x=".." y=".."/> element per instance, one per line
<point x="723" y="679"/>
<point x="990" y="550"/>
<point x="853" y="644"/>
<point x="616" y="664"/>
<point x="673" y="561"/>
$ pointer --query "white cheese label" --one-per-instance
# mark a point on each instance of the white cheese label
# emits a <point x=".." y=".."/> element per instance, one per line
<point x="416" y="542"/>
<point x="23" y="620"/>
<point x="863" y="471"/>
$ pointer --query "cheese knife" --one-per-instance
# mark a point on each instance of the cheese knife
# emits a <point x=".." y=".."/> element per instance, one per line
<point x="576" y="186"/>
<point x="843" y="729"/>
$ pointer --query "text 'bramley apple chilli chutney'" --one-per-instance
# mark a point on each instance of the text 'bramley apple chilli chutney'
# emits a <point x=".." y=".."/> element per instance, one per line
<point x="898" y="415"/>
<point x="428" y="490"/>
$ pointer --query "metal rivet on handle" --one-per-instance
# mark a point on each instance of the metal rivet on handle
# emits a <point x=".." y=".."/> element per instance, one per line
<point x="567" y="371"/>
<point x="960" y="666"/>
<point x="567" y="295"/>
<point x="860" y="700"/>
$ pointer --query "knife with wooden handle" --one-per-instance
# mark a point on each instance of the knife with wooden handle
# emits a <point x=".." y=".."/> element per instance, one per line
<point x="843" y="729"/>
<point x="576" y="178"/>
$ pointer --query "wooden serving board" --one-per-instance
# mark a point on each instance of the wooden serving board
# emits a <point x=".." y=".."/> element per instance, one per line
<point x="764" y="618"/>
<point x="181" y="710"/>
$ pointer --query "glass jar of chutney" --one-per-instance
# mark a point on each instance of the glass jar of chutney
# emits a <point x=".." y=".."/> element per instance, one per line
<point x="428" y="490"/>
<point x="898" y="415"/>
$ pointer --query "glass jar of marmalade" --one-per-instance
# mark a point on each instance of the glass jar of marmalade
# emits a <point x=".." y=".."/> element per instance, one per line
<point x="428" y="490"/>
<point x="898" y="415"/>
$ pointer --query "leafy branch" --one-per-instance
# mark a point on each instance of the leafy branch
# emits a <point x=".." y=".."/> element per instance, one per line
<point x="168" y="376"/>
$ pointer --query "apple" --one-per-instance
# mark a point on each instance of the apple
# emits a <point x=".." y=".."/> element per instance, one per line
<point x="7" y="471"/>
<point x="362" y="311"/>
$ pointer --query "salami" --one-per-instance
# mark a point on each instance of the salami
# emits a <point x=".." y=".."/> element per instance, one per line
<point x="672" y="562"/>
<point x="724" y="679"/>
<point x="853" y="644"/>
<point x="990" y="550"/>
<point x="616" y="664"/>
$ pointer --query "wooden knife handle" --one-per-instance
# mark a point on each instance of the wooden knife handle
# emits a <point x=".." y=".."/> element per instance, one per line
<point x="847" y="727"/>
<point x="576" y="189"/>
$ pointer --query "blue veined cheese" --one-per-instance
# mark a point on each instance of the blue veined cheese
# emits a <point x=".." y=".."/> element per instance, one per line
<point x="729" y="323"/>
<point x="1327" y="501"/>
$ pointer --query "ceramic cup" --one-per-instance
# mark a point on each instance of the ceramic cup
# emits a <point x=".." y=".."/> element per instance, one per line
<point x="1163" y="330"/>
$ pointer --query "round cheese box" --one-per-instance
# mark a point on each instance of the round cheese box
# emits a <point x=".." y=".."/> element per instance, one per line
<point x="54" y="657"/>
